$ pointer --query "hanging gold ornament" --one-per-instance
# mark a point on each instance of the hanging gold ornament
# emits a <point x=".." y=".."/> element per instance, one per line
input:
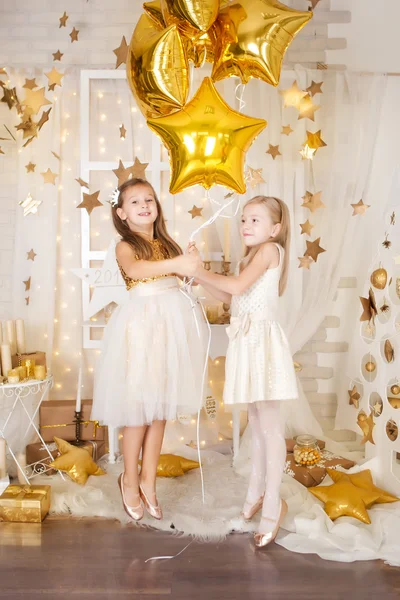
<point x="157" y="68"/>
<point x="392" y="430"/>
<point x="366" y="424"/>
<point x="395" y="389"/>
<point x="253" y="36"/>
<point x="207" y="141"/>
<point x="370" y="366"/>
<point x="354" y="397"/>
<point x="379" y="278"/>
<point x="388" y="351"/>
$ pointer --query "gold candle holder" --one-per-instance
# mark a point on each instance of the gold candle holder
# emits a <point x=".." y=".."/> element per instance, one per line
<point x="22" y="372"/>
<point x="40" y="372"/>
<point x="212" y="313"/>
<point x="29" y="363"/>
<point x="13" y="376"/>
<point x="207" y="265"/>
<point x="225" y="318"/>
<point x="226" y="267"/>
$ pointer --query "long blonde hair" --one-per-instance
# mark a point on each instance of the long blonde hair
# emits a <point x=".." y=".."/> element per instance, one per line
<point x="141" y="247"/>
<point x="279" y="213"/>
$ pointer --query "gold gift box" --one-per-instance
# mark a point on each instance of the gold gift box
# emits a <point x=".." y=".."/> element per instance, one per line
<point x="25" y="503"/>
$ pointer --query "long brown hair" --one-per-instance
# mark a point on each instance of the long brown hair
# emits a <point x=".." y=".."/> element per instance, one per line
<point x="141" y="247"/>
<point x="279" y="214"/>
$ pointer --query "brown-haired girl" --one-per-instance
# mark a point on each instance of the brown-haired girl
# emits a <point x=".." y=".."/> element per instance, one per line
<point x="259" y="367"/>
<point x="154" y="345"/>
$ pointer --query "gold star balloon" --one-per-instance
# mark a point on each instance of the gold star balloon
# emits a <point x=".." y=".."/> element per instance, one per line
<point x="153" y="9"/>
<point x="75" y="461"/>
<point x="207" y="141"/>
<point x="157" y="68"/>
<point x="252" y="38"/>
<point x="345" y="499"/>
<point x="363" y="480"/>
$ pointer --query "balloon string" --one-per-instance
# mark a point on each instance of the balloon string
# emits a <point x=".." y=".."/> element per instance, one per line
<point x="169" y="557"/>
<point x="239" y="95"/>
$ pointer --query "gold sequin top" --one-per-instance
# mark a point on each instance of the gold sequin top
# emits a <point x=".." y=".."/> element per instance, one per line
<point x="159" y="253"/>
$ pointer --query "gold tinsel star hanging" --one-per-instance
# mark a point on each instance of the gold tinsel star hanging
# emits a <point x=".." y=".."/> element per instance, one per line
<point x="393" y="218"/>
<point x="90" y="202"/>
<point x="286" y="130"/>
<point x="30" y="84"/>
<point x="31" y="255"/>
<point x="54" y="77"/>
<point x="366" y="424"/>
<point x="360" y="208"/>
<point x="30" y="167"/>
<point x="49" y="176"/>
<point x="315" y="88"/>
<point x="57" y="156"/>
<point x="43" y="119"/>
<point x="138" y="169"/>
<point x="122" y="131"/>
<point x="254" y="177"/>
<point x="74" y="35"/>
<point x="313" y="201"/>
<point x="82" y="183"/>
<point x="63" y="20"/>
<point x="293" y="95"/>
<point x="314" y="140"/>
<point x="306" y="227"/>
<point x="354" y="397"/>
<point x="121" y="53"/>
<point x="305" y="262"/>
<point x="30" y="205"/>
<point x="34" y="101"/>
<point x="195" y="211"/>
<point x="57" y="55"/>
<point x="27" y="284"/>
<point x="307" y="108"/>
<point x="386" y="242"/>
<point x="273" y="151"/>
<point x="314" y="249"/>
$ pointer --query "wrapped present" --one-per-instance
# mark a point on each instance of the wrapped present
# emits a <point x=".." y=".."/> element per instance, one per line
<point x="313" y="475"/>
<point x="290" y="444"/>
<point x="56" y="418"/>
<point x="38" y="459"/>
<point x="25" y="503"/>
<point x="38" y="356"/>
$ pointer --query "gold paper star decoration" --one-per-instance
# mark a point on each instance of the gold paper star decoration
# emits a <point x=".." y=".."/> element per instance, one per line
<point x="57" y="55"/>
<point x="138" y="169"/>
<point x="122" y="173"/>
<point x="31" y="255"/>
<point x="315" y="88"/>
<point x="82" y="183"/>
<point x="75" y="461"/>
<point x="354" y="397"/>
<point x="30" y="205"/>
<point x="314" y="249"/>
<point x="74" y="35"/>
<point x="306" y="227"/>
<point x="54" y="77"/>
<point x="313" y="201"/>
<point x="28" y="127"/>
<point x="27" y="301"/>
<point x="27" y="284"/>
<point x="307" y="153"/>
<point x="195" y="212"/>
<point x="30" y="84"/>
<point x="1" y="150"/>
<point x="377" y="409"/>
<point x="122" y="132"/>
<point x="286" y="130"/>
<point x="360" y="208"/>
<point x="293" y="95"/>
<point x="366" y="424"/>
<point x="43" y="119"/>
<point x="34" y="101"/>
<point x="314" y="140"/>
<point x="254" y="177"/>
<point x="370" y="309"/>
<point x="49" y="176"/>
<point x="273" y="151"/>
<point x="307" y="108"/>
<point x="121" y="53"/>
<point x="393" y="218"/>
<point x="363" y="480"/>
<point x="57" y="156"/>
<point x="90" y="202"/>
<point x="305" y="262"/>
<point x="63" y="20"/>
<point x="9" y="96"/>
<point x="345" y="499"/>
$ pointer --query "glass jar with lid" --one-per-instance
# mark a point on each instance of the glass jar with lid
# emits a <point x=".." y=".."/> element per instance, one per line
<point x="306" y="451"/>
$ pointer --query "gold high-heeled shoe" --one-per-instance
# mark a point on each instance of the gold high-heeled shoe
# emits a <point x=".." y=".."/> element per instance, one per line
<point x="248" y="515"/>
<point x="263" y="539"/>
<point x="135" y="512"/>
<point x="154" y="511"/>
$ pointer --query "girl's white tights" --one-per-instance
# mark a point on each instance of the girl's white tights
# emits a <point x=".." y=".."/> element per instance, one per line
<point x="268" y="460"/>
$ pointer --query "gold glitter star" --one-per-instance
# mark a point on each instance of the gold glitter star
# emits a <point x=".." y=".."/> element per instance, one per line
<point x="90" y="202"/>
<point x="360" y="208"/>
<point x="195" y="212"/>
<point x="273" y="151"/>
<point x="293" y="95"/>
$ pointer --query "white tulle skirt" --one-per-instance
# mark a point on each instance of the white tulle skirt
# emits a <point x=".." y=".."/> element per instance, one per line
<point x="153" y="357"/>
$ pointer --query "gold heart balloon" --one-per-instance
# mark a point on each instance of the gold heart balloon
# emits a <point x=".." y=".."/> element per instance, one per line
<point x="207" y="141"/>
<point x="253" y="36"/>
<point x="157" y="68"/>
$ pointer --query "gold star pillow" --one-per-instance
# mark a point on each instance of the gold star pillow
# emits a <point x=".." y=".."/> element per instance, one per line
<point x="75" y="461"/>
<point x="345" y="499"/>
<point x="363" y="480"/>
<point x="170" y="465"/>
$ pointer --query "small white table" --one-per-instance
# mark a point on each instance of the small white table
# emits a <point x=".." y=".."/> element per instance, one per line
<point x="19" y="392"/>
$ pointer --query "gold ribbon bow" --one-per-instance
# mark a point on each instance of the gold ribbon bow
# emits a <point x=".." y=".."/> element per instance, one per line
<point x="25" y="492"/>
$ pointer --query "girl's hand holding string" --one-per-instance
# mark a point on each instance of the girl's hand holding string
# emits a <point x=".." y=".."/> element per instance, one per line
<point x="187" y="264"/>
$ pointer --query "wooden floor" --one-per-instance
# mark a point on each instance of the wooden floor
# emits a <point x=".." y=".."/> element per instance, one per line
<point x="87" y="559"/>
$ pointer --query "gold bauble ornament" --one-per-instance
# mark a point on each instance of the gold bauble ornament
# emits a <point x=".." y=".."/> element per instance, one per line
<point x="370" y="366"/>
<point x="379" y="278"/>
<point x="395" y="389"/>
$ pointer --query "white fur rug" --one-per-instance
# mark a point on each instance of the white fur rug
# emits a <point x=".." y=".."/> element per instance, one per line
<point x="306" y="527"/>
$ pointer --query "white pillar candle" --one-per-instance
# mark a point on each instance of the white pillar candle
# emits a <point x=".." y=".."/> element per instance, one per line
<point x="11" y="336"/>
<point x="20" y="333"/>
<point x="6" y="363"/>
<point x="21" y="458"/>
<point x="227" y="239"/>
<point x="3" y="465"/>
<point x="1" y="334"/>
<point x="78" y="391"/>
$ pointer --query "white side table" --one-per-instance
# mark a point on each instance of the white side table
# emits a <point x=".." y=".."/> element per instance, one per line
<point x="19" y="392"/>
